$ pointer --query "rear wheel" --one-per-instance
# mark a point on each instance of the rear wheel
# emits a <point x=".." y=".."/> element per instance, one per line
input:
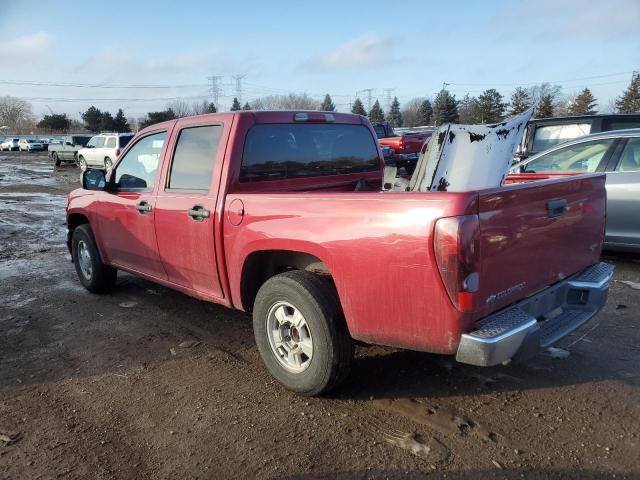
<point x="300" y="332"/>
<point x="94" y="275"/>
<point x="108" y="164"/>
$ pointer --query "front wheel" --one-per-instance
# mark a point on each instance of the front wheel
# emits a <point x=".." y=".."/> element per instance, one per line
<point x="94" y="275"/>
<point x="300" y="332"/>
<point x="108" y="164"/>
<point x="56" y="159"/>
<point x="82" y="163"/>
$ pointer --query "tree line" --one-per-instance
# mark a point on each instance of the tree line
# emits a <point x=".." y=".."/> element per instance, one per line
<point x="488" y="107"/>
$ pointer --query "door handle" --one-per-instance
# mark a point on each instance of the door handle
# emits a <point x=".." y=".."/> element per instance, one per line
<point x="143" y="207"/>
<point x="198" y="213"/>
<point x="557" y="207"/>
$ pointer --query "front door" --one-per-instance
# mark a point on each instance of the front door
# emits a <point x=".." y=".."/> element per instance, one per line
<point x="185" y="206"/>
<point x="127" y="212"/>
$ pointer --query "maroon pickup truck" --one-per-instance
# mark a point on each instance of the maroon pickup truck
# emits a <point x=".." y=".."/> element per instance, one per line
<point x="405" y="148"/>
<point x="280" y="214"/>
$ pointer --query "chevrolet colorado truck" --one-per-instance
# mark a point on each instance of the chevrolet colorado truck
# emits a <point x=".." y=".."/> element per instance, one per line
<point x="281" y="215"/>
<point x="405" y="148"/>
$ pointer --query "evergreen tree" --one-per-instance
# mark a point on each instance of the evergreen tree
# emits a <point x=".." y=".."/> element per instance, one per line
<point x="545" y="107"/>
<point x="629" y="102"/>
<point x="376" y="114"/>
<point x="55" y="121"/>
<point x="157" y="117"/>
<point x="246" y="106"/>
<point x="520" y="101"/>
<point x="106" y="122"/>
<point x="490" y="106"/>
<point x="358" y="108"/>
<point x="424" y="113"/>
<point x="468" y="110"/>
<point x="445" y="108"/>
<point x="327" y="104"/>
<point x="583" y="104"/>
<point x="92" y="119"/>
<point x="211" y="108"/>
<point x="235" y="106"/>
<point x="120" y="123"/>
<point x="395" y="116"/>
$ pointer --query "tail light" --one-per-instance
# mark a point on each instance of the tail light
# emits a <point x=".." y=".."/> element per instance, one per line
<point x="313" y="117"/>
<point x="457" y="248"/>
<point x="117" y="152"/>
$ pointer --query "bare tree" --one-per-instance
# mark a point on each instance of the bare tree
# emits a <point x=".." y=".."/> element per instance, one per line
<point x="180" y="108"/>
<point x="410" y="111"/>
<point x="15" y="113"/>
<point x="545" y="97"/>
<point x="291" y="101"/>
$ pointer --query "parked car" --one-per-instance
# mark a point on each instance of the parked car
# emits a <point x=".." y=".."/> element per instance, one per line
<point x="10" y="144"/>
<point x="30" y="145"/>
<point x="67" y="150"/>
<point x="280" y="214"/>
<point x="615" y="153"/>
<point x="102" y="150"/>
<point x="544" y="133"/>
<point x="405" y="147"/>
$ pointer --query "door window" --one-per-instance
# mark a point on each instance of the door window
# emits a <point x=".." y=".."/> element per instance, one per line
<point x="194" y="158"/>
<point x="137" y="169"/>
<point x="99" y="142"/>
<point x="581" y="158"/>
<point x="92" y="143"/>
<point x="630" y="158"/>
<point x="111" y="142"/>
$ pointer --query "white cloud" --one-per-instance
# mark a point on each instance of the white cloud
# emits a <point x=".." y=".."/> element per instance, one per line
<point x="369" y="50"/>
<point x="26" y="45"/>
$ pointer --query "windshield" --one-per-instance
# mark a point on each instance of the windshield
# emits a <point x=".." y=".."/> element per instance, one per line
<point x="279" y="151"/>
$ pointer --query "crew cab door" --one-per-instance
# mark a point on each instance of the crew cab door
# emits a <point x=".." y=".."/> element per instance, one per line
<point x="186" y="216"/>
<point x="126" y="213"/>
<point x="623" y="196"/>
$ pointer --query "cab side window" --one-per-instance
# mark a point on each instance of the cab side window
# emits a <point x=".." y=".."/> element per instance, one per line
<point x="630" y="158"/>
<point x="136" y="171"/>
<point x="194" y="158"/>
<point x="582" y="157"/>
<point x="111" y="142"/>
<point x="99" y="142"/>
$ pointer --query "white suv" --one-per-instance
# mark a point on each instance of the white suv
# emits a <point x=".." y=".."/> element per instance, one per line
<point x="103" y="150"/>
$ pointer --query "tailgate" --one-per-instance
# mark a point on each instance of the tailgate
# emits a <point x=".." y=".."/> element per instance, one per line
<point x="535" y="234"/>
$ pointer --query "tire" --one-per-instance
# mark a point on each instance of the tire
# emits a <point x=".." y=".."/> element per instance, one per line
<point x="82" y="163"/>
<point x="56" y="159"/>
<point x="107" y="164"/>
<point x="322" y="327"/>
<point x="94" y="275"/>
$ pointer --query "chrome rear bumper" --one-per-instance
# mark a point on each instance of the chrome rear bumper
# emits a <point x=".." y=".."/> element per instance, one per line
<point x="520" y="330"/>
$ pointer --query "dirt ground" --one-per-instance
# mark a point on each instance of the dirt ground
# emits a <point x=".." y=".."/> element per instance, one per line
<point x="148" y="383"/>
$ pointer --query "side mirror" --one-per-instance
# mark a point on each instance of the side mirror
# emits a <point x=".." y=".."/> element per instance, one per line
<point x="69" y="143"/>
<point x="93" y="179"/>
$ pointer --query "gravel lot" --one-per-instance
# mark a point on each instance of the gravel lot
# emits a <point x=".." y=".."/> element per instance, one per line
<point x="150" y="383"/>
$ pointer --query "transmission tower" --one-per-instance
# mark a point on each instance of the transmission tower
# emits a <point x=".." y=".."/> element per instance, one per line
<point x="214" y="89"/>
<point x="238" y="79"/>
<point x="387" y="95"/>
<point x="369" y="92"/>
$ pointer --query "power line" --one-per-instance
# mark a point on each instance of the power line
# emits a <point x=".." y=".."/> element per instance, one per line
<point x="524" y="84"/>
<point x="34" y="83"/>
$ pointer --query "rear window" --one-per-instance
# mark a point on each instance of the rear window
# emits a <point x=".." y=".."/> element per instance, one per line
<point x="379" y="129"/>
<point x="548" y="136"/>
<point x="81" y="140"/>
<point x="124" y="140"/>
<point x="279" y="151"/>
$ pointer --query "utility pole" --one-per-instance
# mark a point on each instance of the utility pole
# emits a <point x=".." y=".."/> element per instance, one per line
<point x="238" y="79"/>
<point x="214" y="89"/>
<point x="387" y="94"/>
<point x="445" y="85"/>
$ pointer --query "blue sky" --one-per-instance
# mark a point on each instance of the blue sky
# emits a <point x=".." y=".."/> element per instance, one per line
<point x="310" y="46"/>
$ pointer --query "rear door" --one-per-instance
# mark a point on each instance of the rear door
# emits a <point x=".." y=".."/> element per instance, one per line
<point x="186" y="216"/>
<point x="535" y="234"/>
<point x="623" y="196"/>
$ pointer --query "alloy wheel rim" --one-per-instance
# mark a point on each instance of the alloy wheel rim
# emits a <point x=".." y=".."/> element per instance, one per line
<point x="84" y="260"/>
<point x="289" y="337"/>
